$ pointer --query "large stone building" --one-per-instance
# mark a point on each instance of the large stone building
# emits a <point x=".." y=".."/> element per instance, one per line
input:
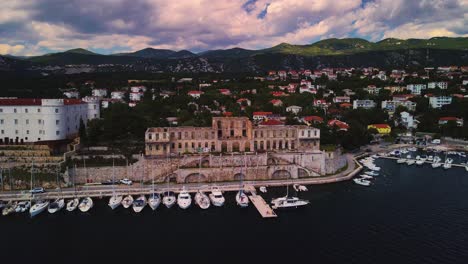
<point x="230" y="134"/>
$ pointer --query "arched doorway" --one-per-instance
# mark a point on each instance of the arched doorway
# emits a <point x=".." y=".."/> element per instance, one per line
<point x="235" y="147"/>
<point x="281" y="174"/>
<point x="239" y="176"/>
<point x="224" y="147"/>
<point x="247" y="147"/>
<point x="195" y="177"/>
<point x="301" y="173"/>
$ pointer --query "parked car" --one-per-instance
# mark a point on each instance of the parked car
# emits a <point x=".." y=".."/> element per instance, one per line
<point x="37" y="190"/>
<point x="126" y="182"/>
<point x="436" y="141"/>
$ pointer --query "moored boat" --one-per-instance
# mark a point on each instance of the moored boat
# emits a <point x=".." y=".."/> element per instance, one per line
<point x="362" y="182"/>
<point x="38" y="207"/>
<point x="127" y="201"/>
<point x="288" y="202"/>
<point x="72" y="204"/>
<point x="56" y="205"/>
<point x="115" y="201"/>
<point x="86" y="204"/>
<point x="139" y="204"/>
<point x="169" y="199"/>
<point x="154" y="201"/>
<point x="242" y="199"/>
<point x="9" y="208"/>
<point x="216" y="197"/>
<point x="184" y="200"/>
<point x="202" y="200"/>
<point x="23" y="206"/>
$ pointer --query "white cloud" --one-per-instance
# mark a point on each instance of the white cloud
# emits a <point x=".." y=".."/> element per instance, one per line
<point x="9" y="49"/>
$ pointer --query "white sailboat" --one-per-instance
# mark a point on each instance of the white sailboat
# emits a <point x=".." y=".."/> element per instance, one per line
<point x="216" y="197"/>
<point x="154" y="199"/>
<point x="56" y="205"/>
<point x="9" y="208"/>
<point x="72" y="204"/>
<point x="288" y="202"/>
<point x="59" y="203"/>
<point x="184" y="200"/>
<point x="38" y="207"/>
<point x="169" y="199"/>
<point x="263" y="189"/>
<point x="86" y="204"/>
<point x="202" y="200"/>
<point x="115" y="200"/>
<point x="139" y="204"/>
<point x="127" y="201"/>
<point x="371" y="173"/>
<point x="241" y="198"/>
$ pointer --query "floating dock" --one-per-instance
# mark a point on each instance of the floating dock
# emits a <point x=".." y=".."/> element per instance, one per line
<point x="263" y="208"/>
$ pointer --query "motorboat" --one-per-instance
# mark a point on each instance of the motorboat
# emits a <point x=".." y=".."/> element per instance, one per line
<point x="184" y="200"/>
<point x="127" y="201"/>
<point x="169" y="199"/>
<point x="38" y="207"/>
<point x="420" y="162"/>
<point x="288" y="202"/>
<point x="436" y="164"/>
<point x="362" y="181"/>
<point x="23" y="206"/>
<point x="371" y="173"/>
<point x="9" y="208"/>
<point x="115" y="201"/>
<point x="242" y="199"/>
<point x="216" y="197"/>
<point x="154" y="201"/>
<point x="365" y="176"/>
<point x="202" y="200"/>
<point x="86" y="204"/>
<point x="56" y="205"/>
<point x="72" y="204"/>
<point x="410" y="162"/>
<point x="139" y="204"/>
<point x="263" y="189"/>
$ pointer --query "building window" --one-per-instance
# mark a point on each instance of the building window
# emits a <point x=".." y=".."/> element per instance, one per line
<point x="94" y="107"/>
<point x="16" y="121"/>
<point x="38" y="110"/>
<point x="57" y="132"/>
<point x="27" y="132"/>
<point x="14" y="110"/>
<point x="57" y="122"/>
<point x="1" y="110"/>
<point x="27" y="121"/>
<point x="39" y="121"/>
<point x="150" y="136"/>
<point x="3" y="131"/>
<point x="26" y="110"/>
<point x="56" y="110"/>
<point x="1" y="121"/>
<point x="16" y="132"/>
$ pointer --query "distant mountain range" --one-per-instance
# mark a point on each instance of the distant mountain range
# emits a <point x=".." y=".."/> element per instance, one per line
<point x="329" y="52"/>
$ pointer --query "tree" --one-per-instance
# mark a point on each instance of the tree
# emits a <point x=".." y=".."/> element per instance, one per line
<point x="82" y="133"/>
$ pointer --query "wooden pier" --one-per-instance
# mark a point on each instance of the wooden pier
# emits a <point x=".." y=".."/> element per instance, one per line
<point x="262" y="206"/>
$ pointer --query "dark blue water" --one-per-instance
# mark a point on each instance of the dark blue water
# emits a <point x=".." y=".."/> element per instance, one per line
<point x="410" y="215"/>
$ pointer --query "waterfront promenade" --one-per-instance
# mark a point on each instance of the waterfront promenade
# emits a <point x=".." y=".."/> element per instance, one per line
<point x="108" y="190"/>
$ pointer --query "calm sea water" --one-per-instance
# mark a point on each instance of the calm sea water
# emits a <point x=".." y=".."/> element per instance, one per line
<point x="410" y="215"/>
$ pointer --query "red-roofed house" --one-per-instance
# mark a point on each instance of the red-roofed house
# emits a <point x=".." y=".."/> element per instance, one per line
<point x="313" y="119"/>
<point x="381" y="128"/>
<point x="224" y="91"/>
<point x="227" y="114"/>
<point x="446" y="119"/>
<point x="271" y="122"/>
<point x="278" y="94"/>
<point x="195" y="94"/>
<point x="276" y="102"/>
<point x="342" y="126"/>
<point x="346" y="105"/>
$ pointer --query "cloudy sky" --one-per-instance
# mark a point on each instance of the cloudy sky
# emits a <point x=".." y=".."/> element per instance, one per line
<point x="31" y="27"/>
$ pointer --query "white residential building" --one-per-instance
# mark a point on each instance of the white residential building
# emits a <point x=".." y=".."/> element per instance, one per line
<point x="366" y="104"/>
<point x="440" y="85"/>
<point x="439" y="101"/>
<point x="416" y="88"/>
<point x="341" y="99"/>
<point x="391" y="106"/>
<point x="33" y="120"/>
<point x="119" y="95"/>
<point x="71" y="94"/>
<point x="138" y="89"/>
<point x="407" y="120"/>
<point x="99" y="92"/>
<point x="136" y="96"/>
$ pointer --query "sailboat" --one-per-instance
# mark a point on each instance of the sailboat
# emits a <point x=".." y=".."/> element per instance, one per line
<point x="216" y="197"/>
<point x="127" y="201"/>
<point x="288" y="201"/>
<point x="86" y="204"/>
<point x="184" y="200"/>
<point x="59" y="203"/>
<point x="73" y="203"/>
<point x="139" y="204"/>
<point x="115" y="200"/>
<point x="202" y="200"/>
<point x="154" y="199"/>
<point x="40" y="206"/>
<point x="169" y="198"/>
<point x="241" y="198"/>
